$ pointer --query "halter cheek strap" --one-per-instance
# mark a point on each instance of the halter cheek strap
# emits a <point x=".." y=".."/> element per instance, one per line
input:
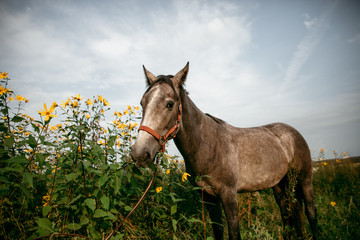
<point x="169" y="135"/>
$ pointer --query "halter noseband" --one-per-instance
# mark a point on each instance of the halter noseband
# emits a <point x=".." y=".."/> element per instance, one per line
<point x="168" y="136"/>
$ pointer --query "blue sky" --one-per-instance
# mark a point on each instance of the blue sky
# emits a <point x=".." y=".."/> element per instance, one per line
<point x="251" y="62"/>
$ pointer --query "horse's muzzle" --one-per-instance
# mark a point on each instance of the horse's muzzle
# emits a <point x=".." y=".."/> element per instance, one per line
<point x="141" y="159"/>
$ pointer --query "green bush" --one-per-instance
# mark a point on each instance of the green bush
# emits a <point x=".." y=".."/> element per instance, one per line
<point x="76" y="177"/>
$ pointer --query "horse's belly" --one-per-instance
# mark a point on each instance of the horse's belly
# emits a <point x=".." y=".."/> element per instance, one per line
<point x="259" y="181"/>
<point x="261" y="171"/>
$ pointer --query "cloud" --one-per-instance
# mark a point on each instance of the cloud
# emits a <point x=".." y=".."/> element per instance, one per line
<point x="316" y="29"/>
<point x="59" y="48"/>
<point x="309" y="22"/>
<point x="354" y="39"/>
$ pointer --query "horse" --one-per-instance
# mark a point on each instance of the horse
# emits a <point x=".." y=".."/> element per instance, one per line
<point x="235" y="159"/>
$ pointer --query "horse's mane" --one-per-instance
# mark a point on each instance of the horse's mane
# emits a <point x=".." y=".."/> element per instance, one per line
<point x="165" y="79"/>
<point x="162" y="79"/>
<point x="218" y="120"/>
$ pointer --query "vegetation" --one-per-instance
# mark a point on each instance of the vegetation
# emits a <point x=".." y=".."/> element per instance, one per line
<point x="68" y="172"/>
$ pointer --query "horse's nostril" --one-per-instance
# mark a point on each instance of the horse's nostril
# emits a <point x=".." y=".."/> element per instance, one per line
<point x="132" y="156"/>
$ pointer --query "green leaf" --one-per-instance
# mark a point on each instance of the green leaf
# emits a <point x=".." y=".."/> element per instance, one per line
<point x="111" y="141"/>
<point x="46" y="210"/>
<point x="73" y="226"/>
<point x="117" y="237"/>
<point x="100" y="213"/>
<point x="110" y="216"/>
<point x="90" y="203"/>
<point x="128" y="208"/>
<point x="174" y="223"/>
<point x="40" y="158"/>
<point x="32" y="142"/>
<point x="17" y="119"/>
<point x="18" y="159"/>
<point x="105" y="202"/>
<point x="93" y="233"/>
<point x="84" y="220"/>
<point x="45" y="223"/>
<point x="28" y="178"/>
<point x="103" y="179"/>
<point x="75" y="199"/>
<point x="173" y="209"/>
<point x="117" y="185"/>
<point x="194" y="220"/>
<point x="36" y="128"/>
<point x="9" y="142"/>
<point x="71" y="176"/>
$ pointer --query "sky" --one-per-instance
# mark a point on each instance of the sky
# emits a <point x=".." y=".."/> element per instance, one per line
<point x="251" y="62"/>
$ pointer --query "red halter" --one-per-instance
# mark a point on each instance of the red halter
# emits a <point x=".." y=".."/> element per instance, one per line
<point x="168" y="136"/>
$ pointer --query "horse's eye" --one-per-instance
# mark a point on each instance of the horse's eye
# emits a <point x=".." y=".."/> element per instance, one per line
<point x="170" y="104"/>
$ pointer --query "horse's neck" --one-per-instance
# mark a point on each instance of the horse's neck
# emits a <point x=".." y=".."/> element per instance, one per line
<point x="189" y="134"/>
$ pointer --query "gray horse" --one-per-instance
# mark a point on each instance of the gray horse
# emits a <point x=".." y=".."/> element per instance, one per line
<point x="236" y="159"/>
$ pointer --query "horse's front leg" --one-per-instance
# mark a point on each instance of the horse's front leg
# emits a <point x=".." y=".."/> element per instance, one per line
<point x="230" y="205"/>
<point x="213" y="206"/>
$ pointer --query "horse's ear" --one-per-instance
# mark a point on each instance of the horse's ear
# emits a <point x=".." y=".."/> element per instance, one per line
<point x="150" y="78"/>
<point x="180" y="77"/>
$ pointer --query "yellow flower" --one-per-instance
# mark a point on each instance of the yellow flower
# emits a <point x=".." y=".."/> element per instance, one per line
<point x="100" y="98"/>
<point x="4" y="90"/>
<point x="89" y="102"/>
<point x="137" y="108"/>
<point x="46" y="200"/>
<point x="324" y="163"/>
<point x="87" y="116"/>
<point x="53" y="128"/>
<point x="131" y="126"/>
<point x="158" y="189"/>
<point x="20" y="98"/>
<point x="48" y="113"/>
<point x="167" y="172"/>
<point x="64" y="104"/>
<point x="333" y="204"/>
<point x="77" y="97"/>
<point x="116" y="113"/>
<point x="185" y="176"/>
<point x="11" y="98"/>
<point x="126" y="112"/>
<point x="3" y="75"/>
<point x="74" y="104"/>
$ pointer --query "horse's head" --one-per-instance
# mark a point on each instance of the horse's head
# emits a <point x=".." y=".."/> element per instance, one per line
<point x="161" y="115"/>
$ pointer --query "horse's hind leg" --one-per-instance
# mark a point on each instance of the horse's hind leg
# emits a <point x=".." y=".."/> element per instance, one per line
<point x="213" y="206"/>
<point x="310" y="209"/>
<point x="291" y="209"/>
<point x="280" y="197"/>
